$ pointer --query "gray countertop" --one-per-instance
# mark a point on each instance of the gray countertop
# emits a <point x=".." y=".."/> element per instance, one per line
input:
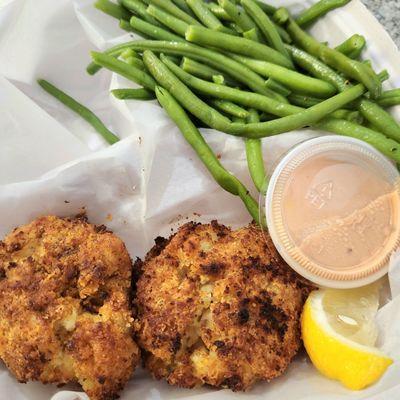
<point x="388" y="14"/>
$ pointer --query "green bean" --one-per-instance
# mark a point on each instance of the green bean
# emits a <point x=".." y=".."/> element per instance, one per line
<point x="204" y="71"/>
<point x="218" y="79"/>
<point x="390" y="93"/>
<point x="198" y="69"/>
<point x="305" y="118"/>
<point x="195" y="68"/>
<point x="293" y="80"/>
<point x="80" y="109"/>
<point x="132" y="58"/>
<point x="247" y="99"/>
<point x="270" y="10"/>
<point x="266" y="117"/>
<point x="254" y="157"/>
<point x="171" y="22"/>
<point x="334" y="58"/>
<point x="217" y="121"/>
<point x="277" y="87"/>
<point x="153" y="31"/>
<point x="384" y="75"/>
<point x="192" y="135"/>
<point x="112" y="9"/>
<point x="317" y="68"/>
<point x="352" y="116"/>
<point x="128" y="53"/>
<point x="318" y="10"/>
<point x="283" y="34"/>
<point x="125" y="25"/>
<point x="183" y="6"/>
<point x="128" y="71"/>
<point x="251" y="35"/>
<point x="303" y="101"/>
<point x="389" y="98"/>
<point x="212" y="58"/>
<point x="389" y="101"/>
<point x="133" y="94"/>
<point x="237" y="15"/>
<point x="218" y="11"/>
<point x="380" y="118"/>
<point x="235" y="27"/>
<point x="172" y="9"/>
<point x="183" y="95"/>
<point x="353" y="46"/>
<point x="387" y="146"/>
<point x="204" y="14"/>
<point x="139" y="8"/>
<point x="135" y="62"/>
<point x="266" y="27"/>
<point x="208" y="37"/>
<point x="229" y="108"/>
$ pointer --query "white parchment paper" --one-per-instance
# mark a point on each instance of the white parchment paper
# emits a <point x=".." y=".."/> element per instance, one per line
<point x="51" y="162"/>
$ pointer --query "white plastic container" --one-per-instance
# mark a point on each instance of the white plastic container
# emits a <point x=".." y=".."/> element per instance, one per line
<point x="332" y="209"/>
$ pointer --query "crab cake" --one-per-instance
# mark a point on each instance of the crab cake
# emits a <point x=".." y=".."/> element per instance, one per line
<point x="64" y="306"/>
<point x="218" y="307"/>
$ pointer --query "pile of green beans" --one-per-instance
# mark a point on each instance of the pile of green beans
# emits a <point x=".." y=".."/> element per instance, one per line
<point x="247" y="69"/>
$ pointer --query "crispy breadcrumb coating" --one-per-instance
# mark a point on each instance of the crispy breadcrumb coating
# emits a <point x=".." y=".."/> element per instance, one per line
<point x="218" y="307"/>
<point x="64" y="306"/>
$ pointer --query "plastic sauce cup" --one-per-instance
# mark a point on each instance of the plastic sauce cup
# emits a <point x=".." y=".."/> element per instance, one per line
<point x="332" y="210"/>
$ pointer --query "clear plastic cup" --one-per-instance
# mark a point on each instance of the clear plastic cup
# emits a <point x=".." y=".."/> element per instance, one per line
<point x="332" y="209"/>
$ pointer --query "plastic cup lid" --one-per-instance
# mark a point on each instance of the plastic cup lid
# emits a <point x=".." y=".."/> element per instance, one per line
<point x="332" y="210"/>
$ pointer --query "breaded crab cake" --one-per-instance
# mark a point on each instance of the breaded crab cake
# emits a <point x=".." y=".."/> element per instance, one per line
<point x="65" y="306"/>
<point x="218" y="307"/>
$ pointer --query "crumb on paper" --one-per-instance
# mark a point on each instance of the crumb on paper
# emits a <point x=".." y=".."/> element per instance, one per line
<point x="109" y="217"/>
<point x="66" y="201"/>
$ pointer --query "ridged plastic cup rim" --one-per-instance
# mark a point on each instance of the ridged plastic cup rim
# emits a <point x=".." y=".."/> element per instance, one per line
<point x="318" y="146"/>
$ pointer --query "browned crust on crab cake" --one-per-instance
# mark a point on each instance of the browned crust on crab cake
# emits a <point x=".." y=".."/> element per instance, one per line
<point x="218" y="307"/>
<point x="64" y="306"/>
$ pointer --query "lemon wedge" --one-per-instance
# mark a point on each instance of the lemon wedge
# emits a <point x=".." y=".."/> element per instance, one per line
<point x="339" y="334"/>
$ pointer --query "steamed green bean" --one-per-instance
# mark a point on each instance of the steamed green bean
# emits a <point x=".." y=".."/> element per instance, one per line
<point x="192" y="135"/>
<point x="380" y="118"/>
<point x="224" y="41"/>
<point x="387" y="146"/>
<point x="139" y="8"/>
<point x="266" y="27"/>
<point x="204" y="15"/>
<point x="80" y="109"/>
<point x="112" y="9"/>
<point x="153" y="31"/>
<point x="128" y="71"/>
<point x="219" y="12"/>
<point x="171" y="22"/>
<point x="254" y="156"/>
<point x="353" y="46"/>
<point x="133" y="94"/>
<point x="174" y="10"/>
<point x="293" y="80"/>
<point x="318" y="10"/>
<point x="229" y="108"/>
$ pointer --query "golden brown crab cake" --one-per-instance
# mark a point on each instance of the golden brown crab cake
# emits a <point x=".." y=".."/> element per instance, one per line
<point x="218" y="307"/>
<point x="65" y="306"/>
